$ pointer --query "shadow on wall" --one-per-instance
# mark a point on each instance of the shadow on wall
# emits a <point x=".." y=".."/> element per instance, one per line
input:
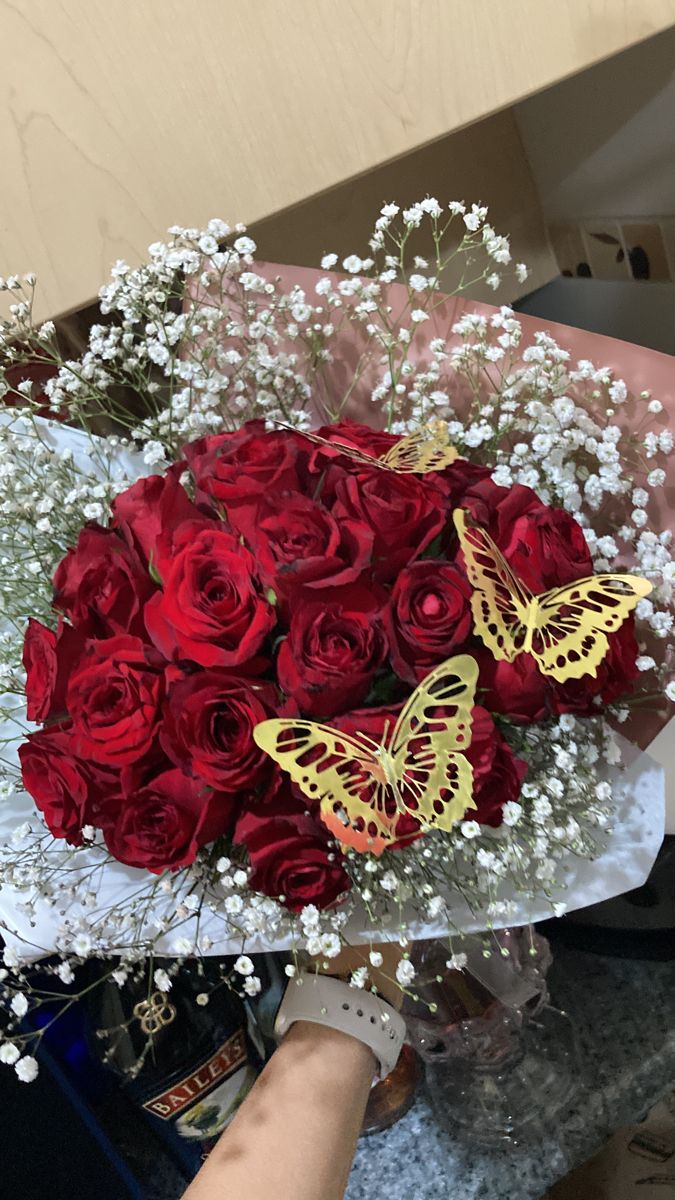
<point x="602" y="141"/>
<point x="634" y="312"/>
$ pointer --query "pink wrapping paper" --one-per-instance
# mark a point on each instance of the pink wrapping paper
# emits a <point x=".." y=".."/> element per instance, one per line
<point x="641" y="368"/>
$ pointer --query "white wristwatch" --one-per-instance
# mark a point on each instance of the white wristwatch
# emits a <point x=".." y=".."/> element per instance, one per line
<point x="333" y="1003"/>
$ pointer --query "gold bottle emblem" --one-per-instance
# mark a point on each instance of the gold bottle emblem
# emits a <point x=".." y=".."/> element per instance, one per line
<point x="154" y="1013"/>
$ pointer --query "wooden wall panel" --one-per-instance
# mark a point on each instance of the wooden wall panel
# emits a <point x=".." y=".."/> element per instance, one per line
<point x="117" y="119"/>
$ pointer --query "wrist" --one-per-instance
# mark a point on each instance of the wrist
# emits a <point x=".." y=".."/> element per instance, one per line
<point x="329" y="1002"/>
<point x="331" y="1050"/>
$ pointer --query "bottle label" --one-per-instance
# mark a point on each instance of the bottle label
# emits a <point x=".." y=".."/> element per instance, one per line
<point x="202" y="1104"/>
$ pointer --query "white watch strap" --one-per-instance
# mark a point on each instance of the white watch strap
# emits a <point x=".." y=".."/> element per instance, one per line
<point x="333" y="1003"/>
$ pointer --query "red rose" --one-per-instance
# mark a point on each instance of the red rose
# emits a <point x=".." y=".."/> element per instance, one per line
<point x="404" y="512"/>
<point x="521" y="692"/>
<point x="495" y="507"/>
<point x="39" y="660"/>
<point x="59" y="783"/>
<point x="114" y="699"/>
<point x="211" y="610"/>
<point x="459" y="477"/>
<point x="297" y="543"/>
<point x="618" y="670"/>
<point x="497" y="774"/>
<point x="428" y="618"/>
<point x="240" y="467"/>
<point x="334" y="647"/>
<point x="149" y="514"/>
<point x="615" y="676"/>
<point x="208" y="730"/>
<point x="102" y="585"/>
<point x="163" y="824"/>
<point x="375" y="442"/>
<point x="49" y="658"/>
<point x="291" y="854"/>
<point x="545" y="546"/>
<point x="517" y="690"/>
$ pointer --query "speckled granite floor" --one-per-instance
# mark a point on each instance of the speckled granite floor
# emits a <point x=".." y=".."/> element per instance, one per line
<point x="625" y="1018"/>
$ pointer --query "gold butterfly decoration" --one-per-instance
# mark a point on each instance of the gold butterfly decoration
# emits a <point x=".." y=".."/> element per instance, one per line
<point x="565" y="629"/>
<point x="418" y="453"/>
<point x="363" y="786"/>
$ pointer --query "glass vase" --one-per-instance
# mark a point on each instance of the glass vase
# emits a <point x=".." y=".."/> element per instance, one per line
<point x="501" y="1062"/>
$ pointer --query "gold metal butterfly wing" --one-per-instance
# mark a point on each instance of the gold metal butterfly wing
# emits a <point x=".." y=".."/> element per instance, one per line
<point x="421" y="452"/>
<point x="363" y="787"/>
<point x="565" y="629"/>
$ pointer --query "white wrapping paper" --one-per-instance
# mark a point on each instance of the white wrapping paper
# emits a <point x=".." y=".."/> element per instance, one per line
<point x="624" y="863"/>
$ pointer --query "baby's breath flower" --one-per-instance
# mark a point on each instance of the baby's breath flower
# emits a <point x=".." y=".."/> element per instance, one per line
<point x="512" y="812"/>
<point x="389" y="881"/>
<point x="244" y="965"/>
<point x="331" y="945"/>
<point x="162" y="980"/>
<point x="457" y="962"/>
<point x="405" y="972"/>
<point x="470" y="829"/>
<point x="475" y="217"/>
<point x="19" y="1005"/>
<point x="26" y="1068"/>
<point x="359" y="977"/>
<point x="65" y="972"/>
<point x="352" y="263"/>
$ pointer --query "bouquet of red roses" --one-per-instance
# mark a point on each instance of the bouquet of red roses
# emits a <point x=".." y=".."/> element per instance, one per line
<point x="309" y="680"/>
<point x="299" y="581"/>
